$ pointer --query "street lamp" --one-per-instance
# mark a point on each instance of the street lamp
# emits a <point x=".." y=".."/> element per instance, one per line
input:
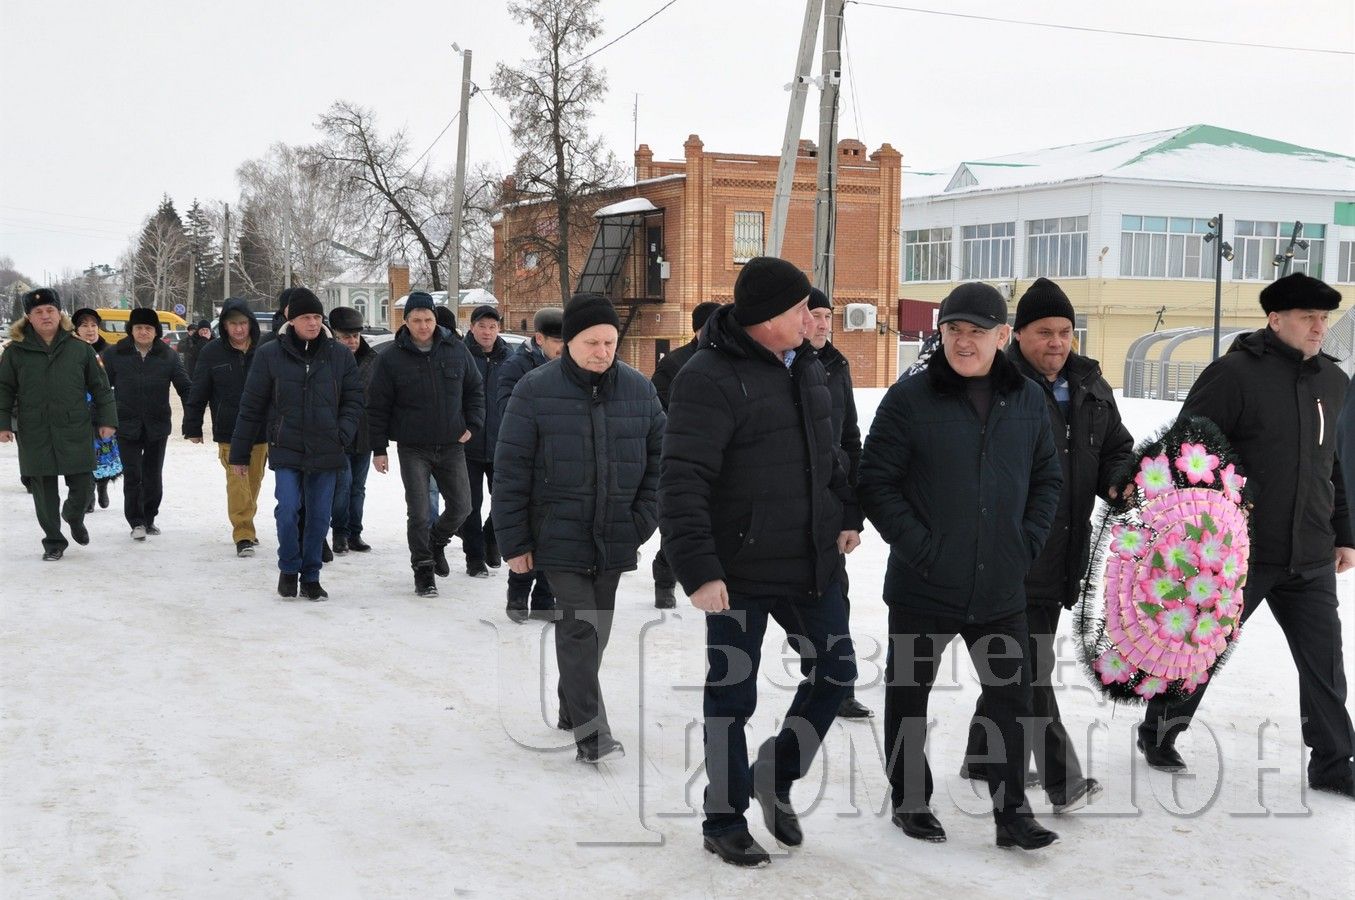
<point x="1223" y="250"/>
<point x="1287" y="257"/>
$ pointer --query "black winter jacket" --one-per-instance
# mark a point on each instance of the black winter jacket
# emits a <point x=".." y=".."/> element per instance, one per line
<point x="480" y="447"/>
<point x="190" y="348"/>
<point x="845" y="424"/>
<point x="1094" y="447"/>
<point x="965" y="506"/>
<point x="309" y="395"/>
<point x="576" y="470"/>
<point x="669" y="366"/>
<point x="424" y="399"/>
<point x="366" y="359"/>
<point x="1279" y="412"/>
<point x="527" y="358"/>
<point x="141" y="386"/>
<point x="221" y="380"/>
<point x="752" y="490"/>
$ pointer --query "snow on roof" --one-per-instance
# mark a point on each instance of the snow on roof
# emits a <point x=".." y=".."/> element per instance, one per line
<point x="633" y="205"/>
<point x="1200" y="154"/>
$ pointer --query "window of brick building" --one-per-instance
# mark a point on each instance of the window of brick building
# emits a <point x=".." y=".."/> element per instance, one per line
<point x="1056" y="247"/>
<point x="747" y="236"/>
<point x="987" y="250"/>
<point x="926" y="254"/>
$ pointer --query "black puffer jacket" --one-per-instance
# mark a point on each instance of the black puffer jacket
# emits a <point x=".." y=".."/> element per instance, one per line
<point x="669" y="366"/>
<point x="309" y="395"/>
<point x="366" y="359"/>
<point x="965" y="506"/>
<point x="221" y="380"/>
<point x="576" y="471"/>
<point x="141" y="385"/>
<point x="190" y="348"/>
<point x="481" y="444"/>
<point x="752" y="490"/>
<point x="1279" y="412"/>
<point x="527" y="358"/>
<point x="424" y="399"/>
<point x="844" y="408"/>
<point x="1094" y="447"/>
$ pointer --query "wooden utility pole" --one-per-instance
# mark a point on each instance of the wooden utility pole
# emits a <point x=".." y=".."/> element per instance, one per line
<point x="226" y="253"/>
<point x="825" y="203"/>
<point x="458" y="189"/>
<point x="790" y="143"/>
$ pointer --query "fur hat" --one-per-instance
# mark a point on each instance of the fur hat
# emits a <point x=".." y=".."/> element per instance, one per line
<point x="1298" y="291"/>
<point x="345" y="318"/>
<point x="41" y="297"/>
<point x="144" y="315"/>
<point x="549" y="321"/>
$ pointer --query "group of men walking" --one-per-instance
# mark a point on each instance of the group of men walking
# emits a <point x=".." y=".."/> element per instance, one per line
<point x="980" y="471"/>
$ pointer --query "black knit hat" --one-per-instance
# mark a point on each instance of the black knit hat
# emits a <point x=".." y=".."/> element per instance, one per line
<point x="85" y="313"/>
<point x="41" y="297"/>
<point x="702" y="313"/>
<point x="485" y="311"/>
<point x="976" y="303"/>
<point x="818" y="299"/>
<point x="1298" y="291"/>
<point x="419" y="300"/>
<point x="583" y="311"/>
<point x="345" y="318"/>
<point x="767" y="287"/>
<point x="202" y="323"/>
<point x="1042" y="300"/>
<point x="549" y="321"/>
<point x="300" y="301"/>
<point x="144" y="315"/>
<point x="445" y="318"/>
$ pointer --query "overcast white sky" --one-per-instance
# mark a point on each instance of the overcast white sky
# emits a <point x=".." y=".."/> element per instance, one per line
<point x="106" y="106"/>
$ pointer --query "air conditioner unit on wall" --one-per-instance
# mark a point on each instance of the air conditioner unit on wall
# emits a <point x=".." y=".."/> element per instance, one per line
<point x="859" y="317"/>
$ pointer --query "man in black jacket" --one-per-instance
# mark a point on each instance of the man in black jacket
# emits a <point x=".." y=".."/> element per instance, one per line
<point x="756" y="512"/>
<point x="960" y="476"/>
<point x="190" y="347"/>
<point x="546" y="344"/>
<point x="490" y="352"/>
<point x="142" y="368"/>
<point x="665" y="582"/>
<point x="350" y="490"/>
<point x="427" y="396"/>
<point x="849" y="441"/>
<point x="222" y="368"/>
<point x="1276" y="397"/>
<point x="1093" y="447"/>
<point x="304" y="391"/>
<point x="577" y="471"/>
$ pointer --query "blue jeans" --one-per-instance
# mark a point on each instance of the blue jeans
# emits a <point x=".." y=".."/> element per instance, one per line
<point x="446" y="466"/>
<point x="350" y="493"/>
<point x="299" y="552"/>
<point x="818" y="632"/>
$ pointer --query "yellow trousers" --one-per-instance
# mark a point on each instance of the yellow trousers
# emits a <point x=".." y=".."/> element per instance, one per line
<point x="242" y="492"/>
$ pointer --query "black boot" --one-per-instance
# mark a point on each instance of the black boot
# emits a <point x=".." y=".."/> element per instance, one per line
<point x="358" y="545"/>
<point x="326" y="554"/>
<point x="89" y="507"/>
<point x="1161" y="753"/>
<point x="340" y="544"/>
<point x="425" y="585"/>
<point x="102" y="486"/>
<point x="851" y="708"/>
<point x="311" y="590"/>
<point x="777" y="813"/>
<point x="1026" y="833"/>
<point x="599" y="749"/>
<point x="517" y="602"/>
<point x="475" y="568"/>
<point x="921" y="824"/>
<point x="493" y="558"/>
<point x="737" y="848"/>
<point x="439" y="558"/>
<point x="287" y="585"/>
<point x="664" y="598"/>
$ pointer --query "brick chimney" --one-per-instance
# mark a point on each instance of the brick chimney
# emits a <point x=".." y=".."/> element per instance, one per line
<point x="397" y="277"/>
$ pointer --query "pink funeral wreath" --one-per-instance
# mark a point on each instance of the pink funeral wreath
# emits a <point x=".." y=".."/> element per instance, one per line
<point x="1175" y="558"/>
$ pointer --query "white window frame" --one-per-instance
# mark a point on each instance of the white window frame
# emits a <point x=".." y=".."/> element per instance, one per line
<point x="1345" y="266"/>
<point x="1165" y="247"/>
<point x="926" y="254"/>
<point x="1256" y="243"/>
<point x="1056" y="248"/>
<point x="987" y="251"/>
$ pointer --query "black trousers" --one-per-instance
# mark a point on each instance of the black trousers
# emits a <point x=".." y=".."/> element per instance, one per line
<point x="1001" y="656"/>
<point x="47" y="504"/>
<point x="446" y="465"/>
<point x="1054" y="752"/>
<point x="662" y="572"/>
<point x="586" y="604"/>
<point x="1305" y="607"/>
<point x="143" y="466"/>
<point x="474" y="533"/>
<point x="533" y="584"/>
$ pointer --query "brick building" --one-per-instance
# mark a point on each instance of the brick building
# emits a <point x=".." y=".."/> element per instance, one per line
<point x="678" y="235"/>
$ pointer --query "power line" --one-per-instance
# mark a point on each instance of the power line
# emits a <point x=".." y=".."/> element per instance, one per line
<point x="1088" y="28"/>
<point x="502" y="149"/>
<point x="589" y="56"/>
<point x="851" y="77"/>
<point x="410" y="167"/>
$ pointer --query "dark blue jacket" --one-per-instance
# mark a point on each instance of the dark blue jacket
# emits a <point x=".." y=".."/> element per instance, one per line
<point x="576" y="471"/>
<point x="527" y="357"/>
<point x="424" y="399"/>
<point x="141" y="386"/>
<point x="964" y="505"/>
<point x="220" y="380"/>
<point x="309" y="397"/>
<point x="480" y="447"/>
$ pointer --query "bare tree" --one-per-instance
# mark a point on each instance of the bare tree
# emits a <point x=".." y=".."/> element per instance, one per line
<point x="552" y="97"/>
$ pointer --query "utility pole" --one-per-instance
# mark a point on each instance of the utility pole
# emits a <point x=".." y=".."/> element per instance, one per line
<point x="790" y="142"/>
<point x="226" y="253"/>
<point x="287" y="261"/>
<point x="825" y="202"/>
<point x="192" y="284"/>
<point x="458" y="189"/>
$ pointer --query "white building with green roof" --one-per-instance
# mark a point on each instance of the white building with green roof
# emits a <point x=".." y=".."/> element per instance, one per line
<point x="1120" y="224"/>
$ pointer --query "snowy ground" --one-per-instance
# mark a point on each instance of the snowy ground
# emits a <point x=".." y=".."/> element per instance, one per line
<point x="172" y="728"/>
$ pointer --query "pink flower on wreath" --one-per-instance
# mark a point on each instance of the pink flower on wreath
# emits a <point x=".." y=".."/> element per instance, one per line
<point x="1206" y="626"/>
<point x="1175" y="624"/>
<point x="1113" y="668"/>
<point x="1226" y="605"/>
<point x="1197" y="463"/>
<point x="1201" y="589"/>
<point x="1158" y="588"/>
<point x="1176" y="555"/>
<point x="1155" y="476"/>
<point x="1209" y="552"/>
<point x="1231" y="567"/>
<point x="1150" y="687"/>
<point x="1232" y="483"/>
<point x="1194" y="680"/>
<point x="1128" y="541"/>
